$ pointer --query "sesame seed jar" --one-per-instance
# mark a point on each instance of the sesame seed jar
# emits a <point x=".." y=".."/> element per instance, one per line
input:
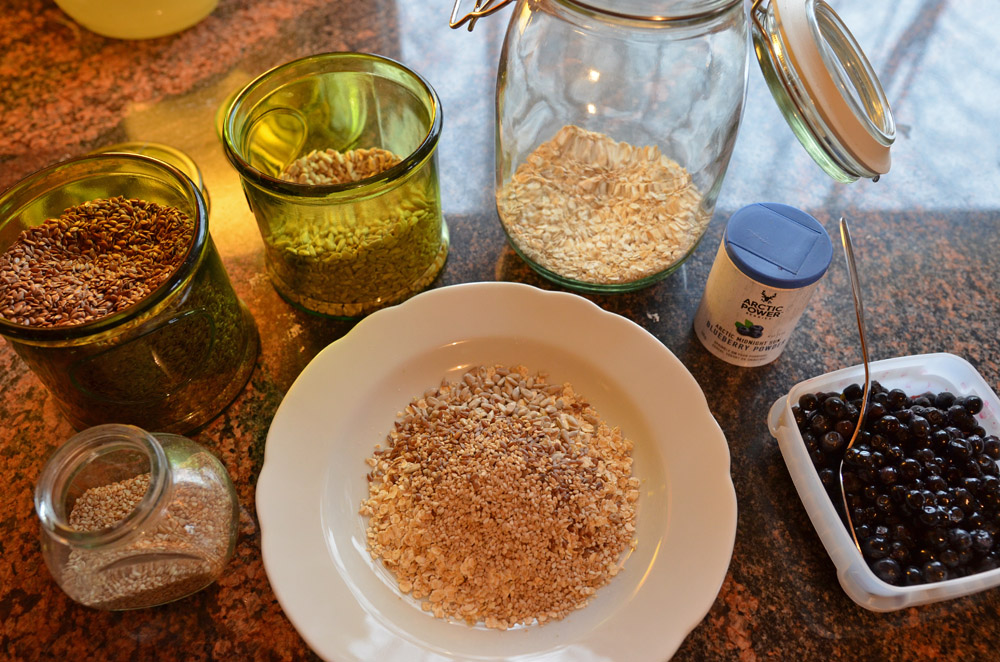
<point x="131" y="519"/>
<point x="72" y="305"/>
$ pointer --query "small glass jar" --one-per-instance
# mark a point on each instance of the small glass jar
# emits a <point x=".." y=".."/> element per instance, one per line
<point x="616" y="120"/>
<point x="347" y="248"/>
<point x="131" y="519"/>
<point x="171" y="361"/>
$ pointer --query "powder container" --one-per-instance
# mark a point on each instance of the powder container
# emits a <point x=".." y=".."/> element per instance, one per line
<point x="767" y="266"/>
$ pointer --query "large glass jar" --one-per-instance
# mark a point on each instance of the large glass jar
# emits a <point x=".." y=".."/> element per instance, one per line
<point x="131" y="519"/>
<point x="168" y="362"/>
<point x="616" y="120"/>
<point x="615" y="128"/>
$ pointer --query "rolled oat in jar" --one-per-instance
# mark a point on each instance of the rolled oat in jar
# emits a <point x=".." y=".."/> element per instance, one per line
<point x="769" y="261"/>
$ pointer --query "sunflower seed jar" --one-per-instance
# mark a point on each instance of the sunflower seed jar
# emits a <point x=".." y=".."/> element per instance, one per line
<point x="131" y="519"/>
<point x="337" y="156"/>
<point x="112" y="292"/>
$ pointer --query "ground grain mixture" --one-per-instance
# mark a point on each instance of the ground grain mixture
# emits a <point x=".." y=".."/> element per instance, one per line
<point x="348" y="259"/>
<point x="502" y="499"/>
<point x="96" y="259"/>
<point x="595" y="210"/>
<point x="185" y="551"/>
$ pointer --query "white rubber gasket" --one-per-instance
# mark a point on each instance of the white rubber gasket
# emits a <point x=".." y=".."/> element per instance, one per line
<point x="792" y="20"/>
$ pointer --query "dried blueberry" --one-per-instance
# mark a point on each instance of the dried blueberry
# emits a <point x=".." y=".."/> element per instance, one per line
<point x="944" y="399"/>
<point x="853" y="392"/>
<point x="972" y="404"/>
<point x="991" y="446"/>
<point x="831" y="442"/>
<point x="888" y="570"/>
<point x="935" y="571"/>
<point x="912" y="576"/>
<point x="808" y="402"/>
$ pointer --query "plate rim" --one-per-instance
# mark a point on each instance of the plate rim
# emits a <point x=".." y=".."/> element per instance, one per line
<point x="470" y="293"/>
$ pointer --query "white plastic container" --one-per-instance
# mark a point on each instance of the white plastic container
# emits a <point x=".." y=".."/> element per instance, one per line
<point x="914" y="374"/>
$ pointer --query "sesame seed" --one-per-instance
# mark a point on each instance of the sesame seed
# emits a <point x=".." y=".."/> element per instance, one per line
<point x="178" y="552"/>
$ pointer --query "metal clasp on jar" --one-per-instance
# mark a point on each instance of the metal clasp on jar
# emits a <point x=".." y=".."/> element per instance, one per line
<point x="482" y="8"/>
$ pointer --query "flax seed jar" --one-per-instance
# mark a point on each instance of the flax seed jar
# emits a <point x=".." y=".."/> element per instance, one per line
<point x="169" y="361"/>
<point x="769" y="261"/>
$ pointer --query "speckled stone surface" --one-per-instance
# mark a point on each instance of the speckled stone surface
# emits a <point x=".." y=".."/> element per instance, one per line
<point x="926" y="236"/>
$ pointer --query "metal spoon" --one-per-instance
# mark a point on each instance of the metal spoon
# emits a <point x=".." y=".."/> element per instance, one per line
<point x="852" y="272"/>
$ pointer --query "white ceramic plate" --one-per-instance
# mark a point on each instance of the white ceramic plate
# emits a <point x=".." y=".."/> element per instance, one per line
<point x="347" y="607"/>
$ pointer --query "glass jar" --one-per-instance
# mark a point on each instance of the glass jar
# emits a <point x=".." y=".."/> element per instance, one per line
<point x="342" y="248"/>
<point x="171" y="361"/>
<point x="167" y="154"/>
<point x="137" y="19"/>
<point x="131" y="519"/>
<point x="613" y="134"/>
<point x="616" y="121"/>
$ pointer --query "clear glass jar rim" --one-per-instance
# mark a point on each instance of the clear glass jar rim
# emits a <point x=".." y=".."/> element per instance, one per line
<point x="82" y="448"/>
<point x="191" y="259"/>
<point x="798" y="46"/>
<point x="884" y="132"/>
<point x="396" y="172"/>
<point x="693" y="12"/>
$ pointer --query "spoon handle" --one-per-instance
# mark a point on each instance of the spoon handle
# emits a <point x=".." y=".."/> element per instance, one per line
<point x="852" y="272"/>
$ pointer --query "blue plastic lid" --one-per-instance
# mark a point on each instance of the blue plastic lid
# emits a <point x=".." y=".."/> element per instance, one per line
<point x="778" y="245"/>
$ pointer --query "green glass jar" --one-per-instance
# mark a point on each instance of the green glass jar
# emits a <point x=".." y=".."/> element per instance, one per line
<point x="169" y="362"/>
<point x="342" y="249"/>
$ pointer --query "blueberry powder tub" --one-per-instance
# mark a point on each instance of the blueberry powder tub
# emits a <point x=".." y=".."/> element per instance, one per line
<point x="769" y="261"/>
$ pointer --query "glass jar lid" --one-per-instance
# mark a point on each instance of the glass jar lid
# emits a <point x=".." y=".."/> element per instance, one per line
<point x="824" y="86"/>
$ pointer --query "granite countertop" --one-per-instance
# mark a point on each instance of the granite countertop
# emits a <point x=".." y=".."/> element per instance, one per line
<point x="926" y="237"/>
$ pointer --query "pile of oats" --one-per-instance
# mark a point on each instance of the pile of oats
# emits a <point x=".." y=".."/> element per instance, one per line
<point x="595" y="210"/>
<point x="502" y="499"/>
